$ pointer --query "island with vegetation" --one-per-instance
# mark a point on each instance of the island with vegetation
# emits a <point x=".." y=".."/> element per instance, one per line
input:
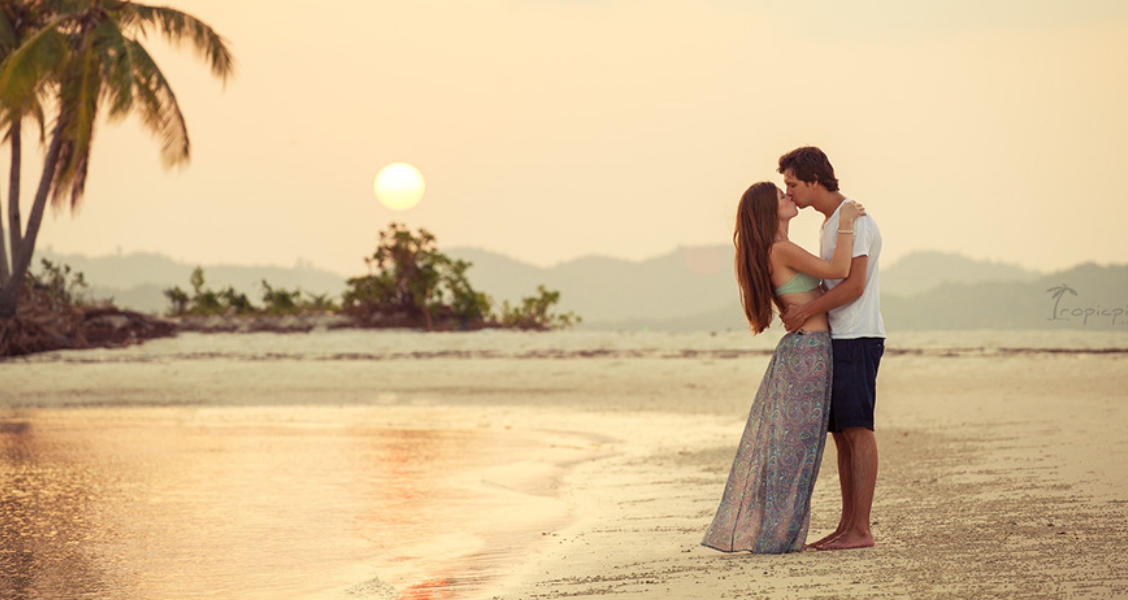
<point x="410" y="284"/>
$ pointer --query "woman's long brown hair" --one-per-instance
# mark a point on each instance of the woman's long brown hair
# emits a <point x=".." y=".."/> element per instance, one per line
<point x="757" y="221"/>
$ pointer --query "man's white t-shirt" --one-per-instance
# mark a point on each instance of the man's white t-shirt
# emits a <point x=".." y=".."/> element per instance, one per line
<point x="862" y="317"/>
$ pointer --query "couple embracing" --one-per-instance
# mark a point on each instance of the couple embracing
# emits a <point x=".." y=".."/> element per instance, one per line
<point x="823" y="374"/>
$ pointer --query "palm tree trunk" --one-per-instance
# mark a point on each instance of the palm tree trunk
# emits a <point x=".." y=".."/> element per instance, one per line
<point x="4" y="271"/>
<point x="14" y="190"/>
<point x="13" y="208"/>
<point x="21" y="255"/>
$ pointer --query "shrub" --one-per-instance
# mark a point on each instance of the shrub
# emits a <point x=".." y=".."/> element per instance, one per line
<point x="206" y="301"/>
<point x="533" y="312"/>
<point x="280" y="301"/>
<point x="56" y="288"/>
<point x="276" y="301"/>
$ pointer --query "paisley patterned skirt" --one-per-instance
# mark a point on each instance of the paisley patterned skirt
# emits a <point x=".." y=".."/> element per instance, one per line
<point x="766" y="505"/>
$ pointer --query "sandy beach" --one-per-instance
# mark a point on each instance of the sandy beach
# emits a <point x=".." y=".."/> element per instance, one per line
<point x="394" y="464"/>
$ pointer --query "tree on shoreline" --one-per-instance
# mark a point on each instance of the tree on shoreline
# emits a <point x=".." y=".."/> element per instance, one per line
<point x="84" y="56"/>
<point x="411" y="283"/>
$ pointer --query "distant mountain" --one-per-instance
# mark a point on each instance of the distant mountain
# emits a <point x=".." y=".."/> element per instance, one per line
<point x="137" y="280"/>
<point x="691" y="288"/>
<point x="1088" y="296"/>
<point x="923" y="271"/>
<point x="694" y="288"/>
<point x="686" y="282"/>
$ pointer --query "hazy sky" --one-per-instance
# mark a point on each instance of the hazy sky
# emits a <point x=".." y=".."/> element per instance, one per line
<point x="552" y="129"/>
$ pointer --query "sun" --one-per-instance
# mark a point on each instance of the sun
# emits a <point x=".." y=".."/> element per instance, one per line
<point x="399" y="186"/>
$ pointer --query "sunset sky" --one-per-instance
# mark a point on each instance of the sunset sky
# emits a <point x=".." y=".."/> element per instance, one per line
<point x="553" y="129"/>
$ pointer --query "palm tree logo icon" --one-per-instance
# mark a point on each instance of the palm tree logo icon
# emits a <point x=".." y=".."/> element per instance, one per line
<point x="1058" y="292"/>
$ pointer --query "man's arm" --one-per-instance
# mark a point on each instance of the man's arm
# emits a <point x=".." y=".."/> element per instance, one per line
<point x="847" y="291"/>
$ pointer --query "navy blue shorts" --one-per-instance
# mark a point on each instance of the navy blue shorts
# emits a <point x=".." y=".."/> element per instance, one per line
<point x="854" y="390"/>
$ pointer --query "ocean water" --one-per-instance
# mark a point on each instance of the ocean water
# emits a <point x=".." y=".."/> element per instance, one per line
<point x="367" y="345"/>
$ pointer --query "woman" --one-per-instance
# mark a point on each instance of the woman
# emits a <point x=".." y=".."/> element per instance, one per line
<point x="766" y="503"/>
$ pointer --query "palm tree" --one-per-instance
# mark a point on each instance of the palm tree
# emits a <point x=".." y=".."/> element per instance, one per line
<point x="1058" y="292"/>
<point x="18" y="21"/>
<point x="89" y="57"/>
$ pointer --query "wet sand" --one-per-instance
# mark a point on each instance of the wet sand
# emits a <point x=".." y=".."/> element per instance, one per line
<point x="512" y="466"/>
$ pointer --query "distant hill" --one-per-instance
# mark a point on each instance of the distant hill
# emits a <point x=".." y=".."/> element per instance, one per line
<point x="924" y="271"/>
<point x="693" y="288"/>
<point x="138" y="280"/>
<point x="707" y="270"/>
<point x="1095" y="297"/>
<point x="1098" y="301"/>
<point x="686" y="282"/>
<point x="690" y="288"/>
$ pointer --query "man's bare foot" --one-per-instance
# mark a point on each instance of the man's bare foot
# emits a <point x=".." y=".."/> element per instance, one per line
<point x="824" y="541"/>
<point x="848" y="541"/>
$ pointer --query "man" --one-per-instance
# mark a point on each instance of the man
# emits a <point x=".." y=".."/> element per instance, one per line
<point x="857" y="338"/>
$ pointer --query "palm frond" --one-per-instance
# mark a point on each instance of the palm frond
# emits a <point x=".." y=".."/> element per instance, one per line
<point x="112" y="50"/>
<point x="178" y="27"/>
<point x="79" y="96"/>
<point x="28" y="69"/>
<point x="157" y="106"/>
<point x="89" y="57"/>
<point x="41" y="120"/>
<point x="9" y="39"/>
<point x="35" y="112"/>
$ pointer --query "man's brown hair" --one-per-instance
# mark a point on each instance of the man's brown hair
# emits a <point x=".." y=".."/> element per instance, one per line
<point x="811" y="165"/>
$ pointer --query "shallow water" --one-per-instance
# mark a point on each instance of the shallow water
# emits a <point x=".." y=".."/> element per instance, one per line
<point x="260" y="503"/>
<point x="353" y="345"/>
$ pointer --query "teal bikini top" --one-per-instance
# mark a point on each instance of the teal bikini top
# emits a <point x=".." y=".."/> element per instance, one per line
<point x="802" y="282"/>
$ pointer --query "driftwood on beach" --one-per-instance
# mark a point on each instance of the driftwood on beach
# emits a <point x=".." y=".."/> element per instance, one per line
<point x="82" y="327"/>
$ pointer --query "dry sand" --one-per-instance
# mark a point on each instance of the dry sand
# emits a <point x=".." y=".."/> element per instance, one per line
<point x="1002" y="458"/>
